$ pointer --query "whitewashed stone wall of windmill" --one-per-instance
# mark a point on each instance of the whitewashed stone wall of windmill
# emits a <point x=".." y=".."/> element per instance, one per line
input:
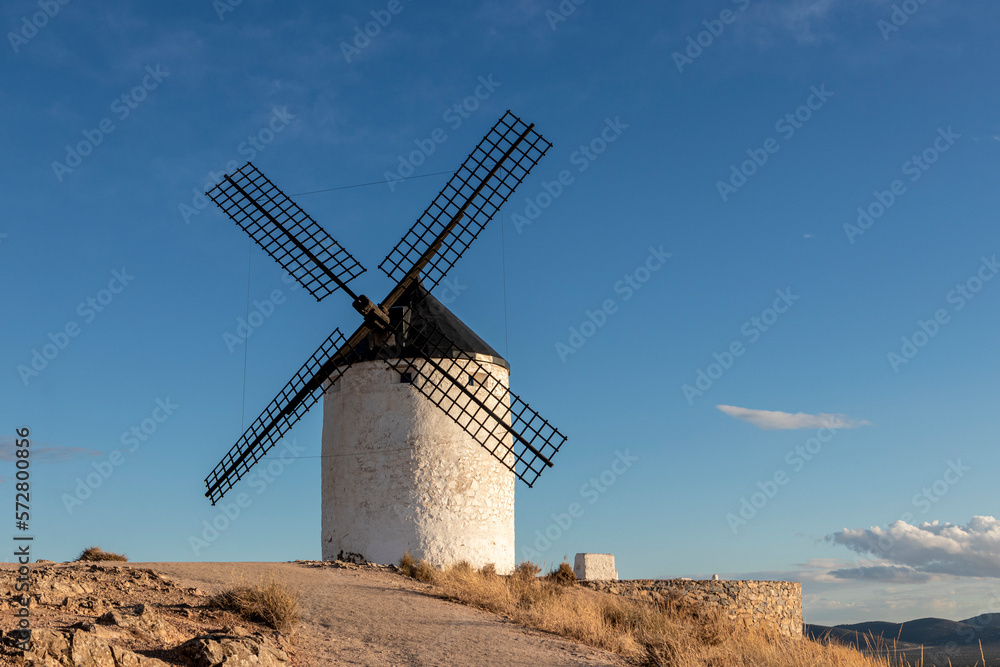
<point x="399" y="475"/>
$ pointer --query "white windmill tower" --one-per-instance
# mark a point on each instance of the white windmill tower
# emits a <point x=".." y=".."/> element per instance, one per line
<point x="399" y="474"/>
<point x="422" y="438"/>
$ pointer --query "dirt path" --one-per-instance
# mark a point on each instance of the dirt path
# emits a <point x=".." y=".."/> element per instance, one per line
<point x="360" y="617"/>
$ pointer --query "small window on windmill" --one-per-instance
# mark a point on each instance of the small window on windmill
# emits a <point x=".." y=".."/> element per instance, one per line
<point x="406" y="378"/>
<point x="478" y="380"/>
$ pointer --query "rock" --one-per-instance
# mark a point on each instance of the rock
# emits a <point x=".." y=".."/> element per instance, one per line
<point x="88" y="605"/>
<point x="54" y="591"/>
<point x="111" y="618"/>
<point x="48" y="649"/>
<point x="231" y="651"/>
<point x="79" y="649"/>
<point x="87" y="651"/>
<point x="141" y="621"/>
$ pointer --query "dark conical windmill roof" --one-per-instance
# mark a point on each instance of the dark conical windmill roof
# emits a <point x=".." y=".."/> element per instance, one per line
<point x="427" y="308"/>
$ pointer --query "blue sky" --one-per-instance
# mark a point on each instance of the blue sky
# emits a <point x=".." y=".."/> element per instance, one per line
<point x="821" y="173"/>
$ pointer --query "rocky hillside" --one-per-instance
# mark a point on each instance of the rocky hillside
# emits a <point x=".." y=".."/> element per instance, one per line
<point x="111" y="615"/>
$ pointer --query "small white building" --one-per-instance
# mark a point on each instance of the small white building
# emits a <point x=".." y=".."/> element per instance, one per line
<point x="399" y="475"/>
<point x="595" y="567"/>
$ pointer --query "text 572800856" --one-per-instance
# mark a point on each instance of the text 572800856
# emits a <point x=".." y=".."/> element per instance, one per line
<point x="22" y="543"/>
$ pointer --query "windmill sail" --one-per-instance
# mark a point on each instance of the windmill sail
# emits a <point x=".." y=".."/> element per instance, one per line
<point x="294" y="400"/>
<point x="471" y="198"/>
<point x="285" y="231"/>
<point x="462" y="388"/>
<point x="497" y="418"/>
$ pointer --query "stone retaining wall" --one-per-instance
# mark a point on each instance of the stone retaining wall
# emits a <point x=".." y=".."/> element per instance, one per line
<point x="777" y="604"/>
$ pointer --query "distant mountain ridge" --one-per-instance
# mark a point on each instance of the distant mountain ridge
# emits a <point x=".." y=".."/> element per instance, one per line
<point x="984" y="628"/>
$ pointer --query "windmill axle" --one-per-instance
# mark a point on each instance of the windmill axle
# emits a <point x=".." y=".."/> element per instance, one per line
<point x="375" y="316"/>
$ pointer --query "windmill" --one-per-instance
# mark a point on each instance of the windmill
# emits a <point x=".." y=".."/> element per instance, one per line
<point x="422" y="438"/>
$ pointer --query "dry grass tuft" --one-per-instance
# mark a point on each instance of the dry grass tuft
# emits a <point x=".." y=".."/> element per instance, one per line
<point x="527" y="570"/>
<point x="267" y="601"/>
<point x="406" y="564"/>
<point x="563" y="574"/>
<point x="422" y="570"/>
<point x="462" y="566"/>
<point x="425" y="572"/>
<point x="665" y="633"/>
<point x="93" y="554"/>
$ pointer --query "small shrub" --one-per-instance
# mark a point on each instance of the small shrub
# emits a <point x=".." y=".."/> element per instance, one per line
<point x="488" y="570"/>
<point x="406" y="564"/>
<point x="661" y="651"/>
<point x="526" y="570"/>
<point x="563" y="575"/>
<point x="421" y="570"/>
<point x="269" y="602"/>
<point x="462" y="567"/>
<point x="94" y="554"/>
<point x="424" y="571"/>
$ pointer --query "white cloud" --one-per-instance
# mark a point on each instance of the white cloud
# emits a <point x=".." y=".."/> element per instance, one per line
<point x="772" y="420"/>
<point x="806" y="21"/>
<point x="934" y="548"/>
<point x="801" y="17"/>
<point x="43" y="454"/>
